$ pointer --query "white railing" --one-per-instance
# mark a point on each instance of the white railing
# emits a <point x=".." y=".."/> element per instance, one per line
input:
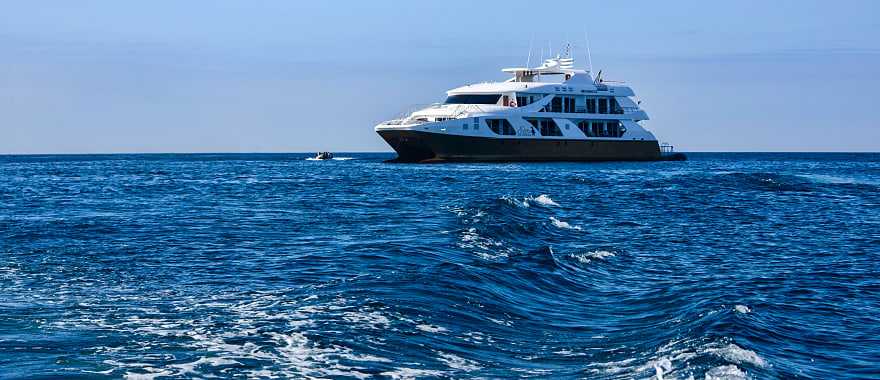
<point x="465" y="110"/>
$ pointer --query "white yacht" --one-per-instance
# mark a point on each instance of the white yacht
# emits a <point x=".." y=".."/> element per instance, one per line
<point x="553" y="112"/>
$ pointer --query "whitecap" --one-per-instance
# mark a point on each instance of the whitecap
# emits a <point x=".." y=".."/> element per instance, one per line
<point x="154" y="373"/>
<point x="562" y="224"/>
<point x="186" y="368"/>
<point x="516" y="202"/>
<point x="738" y="355"/>
<point x="372" y="319"/>
<point x="545" y="200"/>
<point x="431" y="328"/>
<point x="501" y="322"/>
<point x="487" y="248"/>
<point x="411" y="373"/>
<point x="661" y="366"/>
<point x="569" y="353"/>
<point x="727" y="372"/>
<point x="364" y="358"/>
<point x="459" y="363"/>
<point x="588" y="257"/>
<point x="742" y="309"/>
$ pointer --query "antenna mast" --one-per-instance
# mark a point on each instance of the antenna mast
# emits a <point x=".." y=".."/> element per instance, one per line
<point x="529" y="60"/>
<point x="589" y="54"/>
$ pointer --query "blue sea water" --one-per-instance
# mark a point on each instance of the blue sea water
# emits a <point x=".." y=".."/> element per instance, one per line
<point x="271" y="265"/>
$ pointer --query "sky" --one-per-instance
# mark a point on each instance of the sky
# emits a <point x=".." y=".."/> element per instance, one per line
<point x="108" y="76"/>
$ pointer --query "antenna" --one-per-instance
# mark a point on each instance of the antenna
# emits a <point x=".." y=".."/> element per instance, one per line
<point x="589" y="54"/>
<point x="542" y="63"/>
<point x="529" y="60"/>
<point x="570" y="51"/>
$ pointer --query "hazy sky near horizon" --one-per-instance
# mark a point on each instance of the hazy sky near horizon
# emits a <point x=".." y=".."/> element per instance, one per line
<point x="282" y="76"/>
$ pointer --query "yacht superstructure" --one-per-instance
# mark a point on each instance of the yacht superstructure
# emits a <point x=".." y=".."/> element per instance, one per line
<point x="529" y="117"/>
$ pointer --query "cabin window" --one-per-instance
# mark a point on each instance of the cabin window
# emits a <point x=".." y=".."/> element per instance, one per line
<point x="501" y="127"/>
<point x="612" y="128"/>
<point x="547" y="127"/>
<point x="526" y="99"/>
<point x="556" y="104"/>
<point x="603" y="105"/>
<point x="597" y="127"/>
<point x="615" y="128"/>
<point x="584" y="126"/>
<point x="568" y="104"/>
<point x="591" y="105"/>
<point x="473" y="99"/>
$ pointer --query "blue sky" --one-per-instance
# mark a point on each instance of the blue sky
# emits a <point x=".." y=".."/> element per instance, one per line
<point x="284" y="76"/>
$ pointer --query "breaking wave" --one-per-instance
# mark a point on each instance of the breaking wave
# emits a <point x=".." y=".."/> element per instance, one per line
<point x="562" y="224"/>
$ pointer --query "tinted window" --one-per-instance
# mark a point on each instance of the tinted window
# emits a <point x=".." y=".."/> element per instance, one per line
<point x="501" y="126"/>
<point x="547" y="127"/>
<point x="473" y="99"/>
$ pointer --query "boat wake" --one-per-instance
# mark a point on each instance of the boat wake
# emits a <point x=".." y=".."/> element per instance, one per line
<point x="332" y="159"/>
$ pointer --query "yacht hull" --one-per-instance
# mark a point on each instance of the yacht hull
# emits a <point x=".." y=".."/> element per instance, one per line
<point x="417" y="146"/>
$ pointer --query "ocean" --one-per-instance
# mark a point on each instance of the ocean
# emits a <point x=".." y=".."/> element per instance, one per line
<point x="737" y="265"/>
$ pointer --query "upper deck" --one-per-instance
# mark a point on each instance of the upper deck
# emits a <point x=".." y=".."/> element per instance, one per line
<point x="554" y="76"/>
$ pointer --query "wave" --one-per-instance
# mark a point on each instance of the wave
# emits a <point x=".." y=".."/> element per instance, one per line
<point x="564" y="225"/>
<point x="736" y="354"/>
<point x="726" y="372"/>
<point x="839" y="180"/>
<point x="682" y="359"/>
<point x="542" y="200"/>
<point x="545" y="200"/>
<point x="503" y="227"/>
<point x="588" y="257"/>
<point x="766" y="181"/>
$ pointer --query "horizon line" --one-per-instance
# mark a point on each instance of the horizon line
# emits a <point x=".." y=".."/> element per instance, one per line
<point x="392" y="152"/>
